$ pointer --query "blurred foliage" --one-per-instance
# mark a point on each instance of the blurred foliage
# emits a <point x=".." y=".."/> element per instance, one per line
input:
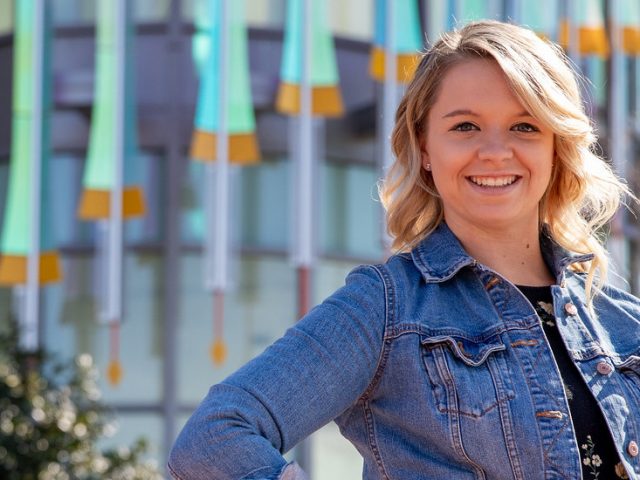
<point x="51" y="420"/>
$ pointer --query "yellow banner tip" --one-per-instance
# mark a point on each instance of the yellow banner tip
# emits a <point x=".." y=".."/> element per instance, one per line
<point x="13" y="269"/>
<point x="243" y="147"/>
<point x="218" y="352"/>
<point x="326" y="100"/>
<point x="114" y="372"/>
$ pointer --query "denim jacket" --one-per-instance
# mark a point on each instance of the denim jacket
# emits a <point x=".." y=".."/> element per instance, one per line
<point x="434" y="367"/>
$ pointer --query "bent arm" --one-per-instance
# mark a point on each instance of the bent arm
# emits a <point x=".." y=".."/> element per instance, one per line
<point x="316" y="371"/>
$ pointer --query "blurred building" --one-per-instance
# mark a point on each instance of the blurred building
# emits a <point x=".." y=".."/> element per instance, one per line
<point x="168" y="314"/>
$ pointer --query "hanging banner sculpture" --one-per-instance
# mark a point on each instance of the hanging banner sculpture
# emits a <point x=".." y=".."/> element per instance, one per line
<point x="326" y="96"/>
<point x="225" y="131"/>
<point x="112" y="146"/>
<point x="98" y="180"/>
<point x="29" y="155"/>
<point x="630" y="24"/>
<point x="407" y="43"/>
<point x="243" y="145"/>
<point x="590" y="35"/>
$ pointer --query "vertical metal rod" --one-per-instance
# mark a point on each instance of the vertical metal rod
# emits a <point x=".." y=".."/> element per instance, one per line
<point x="390" y="79"/>
<point x="31" y="338"/>
<point x="172" y="230"/>
<point x="114" y="289"/>
<point x="221" y="247"/>
<point x="389" y="96"/>
<point x="636" y="101"/>
<point x="574" y="40"/>
<point x="618" y="133"/>
<point x="305" y="192"/>
<point x="305" y="170"/>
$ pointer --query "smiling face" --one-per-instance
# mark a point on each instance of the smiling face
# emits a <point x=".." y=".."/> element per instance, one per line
<point x="491" y="161"/>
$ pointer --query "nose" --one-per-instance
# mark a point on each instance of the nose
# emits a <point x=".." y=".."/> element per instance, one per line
<point x="495" y="146"/>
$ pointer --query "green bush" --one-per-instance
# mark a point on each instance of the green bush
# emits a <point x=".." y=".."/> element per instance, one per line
<point x="51" y="419"/>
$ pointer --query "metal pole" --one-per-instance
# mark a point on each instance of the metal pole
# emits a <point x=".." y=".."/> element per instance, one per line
<point x="30" y="337"/>
<point x="305" y="199"/>
<point x="390" y="98"/>
<point x="618" y="134"/>
<point x="390" y="79"/>
<point x="217" y="175"/>
<point x="574" y="48"/>
<point x="114" y="289"/>
<point x="222" y="178"/>
<point x="305" y="194"/>
<point x="172" y="228"/>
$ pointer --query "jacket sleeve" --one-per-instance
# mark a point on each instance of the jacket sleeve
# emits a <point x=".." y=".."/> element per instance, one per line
<point x="319" y="368"/>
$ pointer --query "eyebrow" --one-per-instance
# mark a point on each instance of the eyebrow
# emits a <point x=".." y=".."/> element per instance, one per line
<point x="459" y="112"/>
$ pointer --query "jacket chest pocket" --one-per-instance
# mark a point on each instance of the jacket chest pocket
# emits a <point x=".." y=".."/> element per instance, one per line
<point x="468" y="378"/>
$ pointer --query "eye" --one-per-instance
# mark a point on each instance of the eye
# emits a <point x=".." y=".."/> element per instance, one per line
<point x="525" y="128"/>
<point x="464" y="127"/>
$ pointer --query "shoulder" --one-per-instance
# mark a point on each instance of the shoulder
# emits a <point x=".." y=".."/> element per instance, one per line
<point x="612" y="297"/>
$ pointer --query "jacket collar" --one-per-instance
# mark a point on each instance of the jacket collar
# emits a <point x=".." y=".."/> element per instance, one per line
<point x="440" y="255"/>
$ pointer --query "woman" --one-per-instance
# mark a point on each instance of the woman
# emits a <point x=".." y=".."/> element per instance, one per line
<point x="489" y="346"/>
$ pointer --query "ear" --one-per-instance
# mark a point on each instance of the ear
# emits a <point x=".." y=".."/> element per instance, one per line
<point x="426" y="160"/>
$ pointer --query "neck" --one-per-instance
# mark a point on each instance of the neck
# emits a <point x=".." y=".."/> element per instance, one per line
<point x="514" y="253"/>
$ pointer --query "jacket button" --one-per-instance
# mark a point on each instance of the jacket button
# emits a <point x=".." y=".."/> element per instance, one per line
<point x="632" y="448"/>
<point x="571" y="309"/>
<point x="604" y="368"/>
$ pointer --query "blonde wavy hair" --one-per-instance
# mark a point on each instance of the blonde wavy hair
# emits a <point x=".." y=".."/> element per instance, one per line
<point x="583" y="193"/>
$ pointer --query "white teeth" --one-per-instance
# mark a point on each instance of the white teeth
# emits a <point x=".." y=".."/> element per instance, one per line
<point x="493" y="181"/>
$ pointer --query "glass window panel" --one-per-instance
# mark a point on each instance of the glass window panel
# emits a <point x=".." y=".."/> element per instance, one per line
<point x="133" y="426"/>
<point x="73" y="324"/>
<point x="65" y="188"/>
<point x="6" y="16"/>
<point x="151" y="10"/>
<point x="73" y="12"/>
<point x="148" y="172"/>
<point x="333" y="456"/>
<point x="350" y="218"/>
<point x="259" y="201"/>
<point x="266" y="205"/>
<point x="259" y="307"/>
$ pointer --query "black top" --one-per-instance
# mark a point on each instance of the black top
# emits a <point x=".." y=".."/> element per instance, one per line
<point x="597" y="450"/>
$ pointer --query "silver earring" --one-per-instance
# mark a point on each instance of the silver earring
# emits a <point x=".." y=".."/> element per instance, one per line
<point x="428" y="167"/>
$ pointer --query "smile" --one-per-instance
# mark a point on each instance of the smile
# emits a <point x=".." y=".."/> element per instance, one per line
<point x="503" y="181"/>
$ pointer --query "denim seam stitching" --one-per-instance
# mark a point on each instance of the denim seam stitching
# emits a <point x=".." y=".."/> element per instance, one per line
<point x="455" y="430"/>
<point x="506" y="420"/>
<point x="373" y="444"/>
<point x="389" y="294"/>
<point x="173" y="472"/>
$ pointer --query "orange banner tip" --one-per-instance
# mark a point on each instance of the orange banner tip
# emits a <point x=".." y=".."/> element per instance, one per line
<point x="631" y="40"/>
<point x="96" y="204"/>
<point x="114" y="372"/>
<point x="13" y="269"/>
<point x="218" y="352"/>
<point x="406" y="65"/>
<point x="591" y="40"/>
<point x="326" y="100"/>
<point x="243" y="147"/>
